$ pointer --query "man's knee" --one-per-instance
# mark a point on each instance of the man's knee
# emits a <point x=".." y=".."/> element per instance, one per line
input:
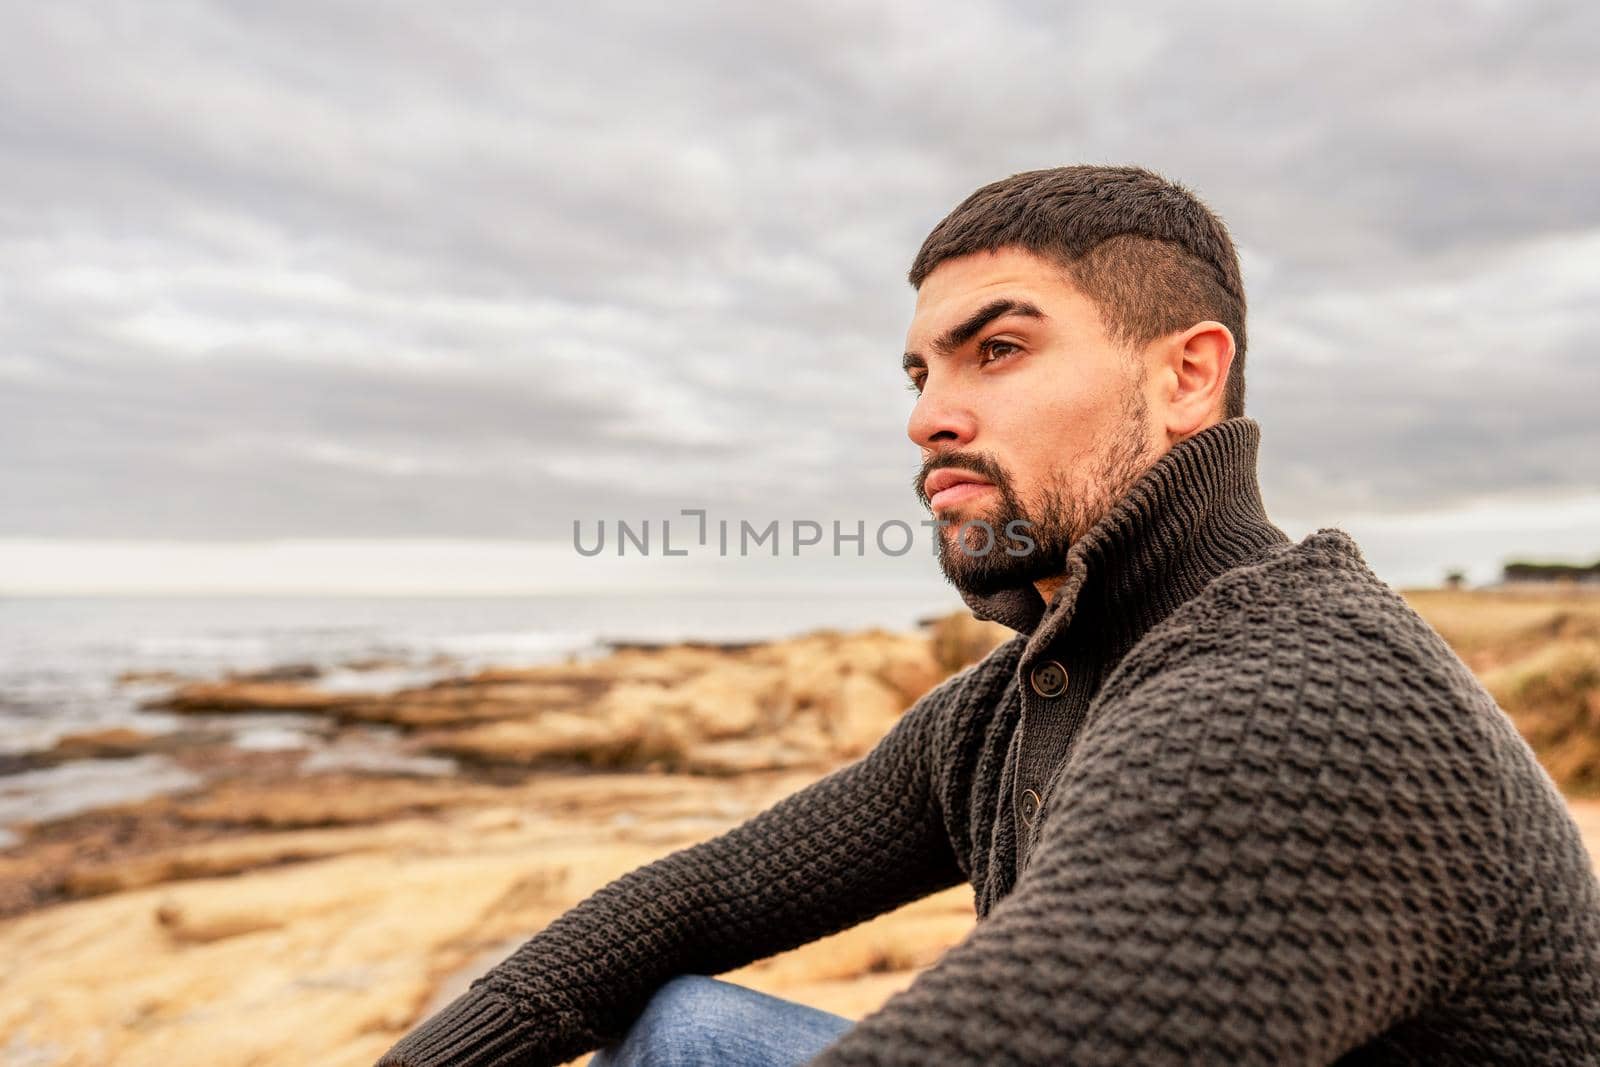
<point x="682" y="1001"/>
<point x="672" y="1029"/>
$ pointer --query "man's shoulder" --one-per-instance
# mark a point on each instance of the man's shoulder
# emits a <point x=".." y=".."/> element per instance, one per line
<point x="1317" y="588"/>
<point x="1312" y="611"/>
<point x="1327" y="562"/>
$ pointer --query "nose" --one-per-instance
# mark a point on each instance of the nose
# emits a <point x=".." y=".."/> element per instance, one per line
<point x="940" y="418"/>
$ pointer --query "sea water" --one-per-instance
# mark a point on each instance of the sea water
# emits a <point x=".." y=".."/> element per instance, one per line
<point x="61" y="659"/>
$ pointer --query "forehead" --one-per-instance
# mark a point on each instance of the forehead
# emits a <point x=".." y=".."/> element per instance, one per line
<point x="958" y="286"/>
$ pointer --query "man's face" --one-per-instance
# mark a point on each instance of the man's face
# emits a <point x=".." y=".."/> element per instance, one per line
<point x="1021" y="388"/>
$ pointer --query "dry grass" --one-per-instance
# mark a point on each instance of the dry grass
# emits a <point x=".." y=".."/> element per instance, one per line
<point x="1538" y="653"/>
<point x="1490" y="629"/>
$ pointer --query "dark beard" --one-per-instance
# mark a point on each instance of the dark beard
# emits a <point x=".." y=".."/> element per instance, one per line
<point x="1062" y="519"/>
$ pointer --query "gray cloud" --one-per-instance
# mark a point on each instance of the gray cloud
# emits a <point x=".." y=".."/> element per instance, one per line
<point x="374" y="270"/>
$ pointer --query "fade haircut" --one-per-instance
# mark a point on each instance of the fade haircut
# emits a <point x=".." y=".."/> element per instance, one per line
<point x="1151" y="256"/>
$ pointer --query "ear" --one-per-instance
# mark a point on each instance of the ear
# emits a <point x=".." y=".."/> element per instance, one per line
<point x="1196" y="364"/>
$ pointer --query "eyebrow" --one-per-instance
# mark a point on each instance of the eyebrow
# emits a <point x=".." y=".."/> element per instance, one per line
<point x="968" y="328"/>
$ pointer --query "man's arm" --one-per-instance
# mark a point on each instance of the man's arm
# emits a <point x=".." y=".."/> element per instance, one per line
<point x="1252" y="858"/>
<point x="860" y="841"/>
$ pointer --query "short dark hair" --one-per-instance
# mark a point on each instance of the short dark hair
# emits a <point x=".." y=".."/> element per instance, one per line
<point x="1151" y="256"/>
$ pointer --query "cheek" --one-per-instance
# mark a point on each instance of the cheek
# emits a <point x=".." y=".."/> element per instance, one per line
<point x="1044" y="425"/>
<point x="1053" y="450"/>
<point x="1051" y="429"/>
<point x="1054" y="389"/>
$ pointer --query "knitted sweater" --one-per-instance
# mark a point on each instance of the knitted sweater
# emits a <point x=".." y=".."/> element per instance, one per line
<point x="1225" y="799"/>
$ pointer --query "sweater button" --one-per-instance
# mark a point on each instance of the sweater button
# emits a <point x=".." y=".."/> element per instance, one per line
<point x="1030" y="807"/>
<point x="1049" y="679"/>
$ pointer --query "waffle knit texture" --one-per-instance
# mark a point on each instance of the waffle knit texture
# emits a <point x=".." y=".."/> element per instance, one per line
<point x="1225" y="799"/>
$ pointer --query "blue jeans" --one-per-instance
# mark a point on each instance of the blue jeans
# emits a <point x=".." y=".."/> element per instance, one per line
<point x="694" y="1020"/>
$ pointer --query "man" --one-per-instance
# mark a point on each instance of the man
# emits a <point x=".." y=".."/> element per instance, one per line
<point x="1224" y="798"/>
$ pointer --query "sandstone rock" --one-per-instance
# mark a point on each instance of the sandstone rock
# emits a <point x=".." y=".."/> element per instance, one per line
<point x="818" y="697"/>
<point x="374" y="663"/>
<point x="322" y="801"/>
<point x="149" y="677"/>
<point x="959" y="639"/>
<point x="231" y="856"/>
<point x="557" y="737"/>
<point x="747" y="755"/>
<point x="193" y="925"/>
<point x="104" y="744"/>
<point x="284" y="672"/>
<point x="347" y="908"/>
<point x="215" y="697"/>
<point x="658" y="702"/>
<point x="867" y="708"/>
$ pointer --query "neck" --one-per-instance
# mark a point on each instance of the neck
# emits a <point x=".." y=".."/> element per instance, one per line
<point x="1047" y="587"/>
<point x="1196" y="513"/>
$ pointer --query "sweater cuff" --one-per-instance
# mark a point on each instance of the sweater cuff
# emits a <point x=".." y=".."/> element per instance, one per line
<point x="477" y="1029"/>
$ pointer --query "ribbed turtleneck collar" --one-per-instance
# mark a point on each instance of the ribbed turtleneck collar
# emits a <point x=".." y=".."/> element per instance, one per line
<point x="1196" y="513"/>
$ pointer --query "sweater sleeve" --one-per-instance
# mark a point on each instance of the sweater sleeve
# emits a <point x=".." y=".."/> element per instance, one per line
<point x="1259" y="853"/>
<point x="858" y="842"/>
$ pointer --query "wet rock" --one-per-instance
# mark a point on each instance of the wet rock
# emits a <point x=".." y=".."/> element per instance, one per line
<point x="106" y="744"/>
<point x="230" y="696"/>
<point x="656" y="646"/>
<point x="286" y="672"/>
<point x="19" y="762"/>
<point x="121" y="742"/>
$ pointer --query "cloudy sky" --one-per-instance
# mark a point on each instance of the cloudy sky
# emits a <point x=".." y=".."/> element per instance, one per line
<point x="460" y="274"/>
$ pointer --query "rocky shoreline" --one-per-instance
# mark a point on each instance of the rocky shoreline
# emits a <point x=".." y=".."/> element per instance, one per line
<point x="346" y="886"/>
<point x="804" y="704"/>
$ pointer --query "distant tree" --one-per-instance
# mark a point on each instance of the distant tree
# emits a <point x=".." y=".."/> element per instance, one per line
<point x="1455" y="578"/>
<point x="1522" y="571"/>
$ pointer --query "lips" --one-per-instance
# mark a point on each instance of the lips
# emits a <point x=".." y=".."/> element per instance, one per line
<point x="948" y="486"/>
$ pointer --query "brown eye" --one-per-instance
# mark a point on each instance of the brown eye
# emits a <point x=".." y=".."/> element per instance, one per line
<point x="996" y="350"/>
